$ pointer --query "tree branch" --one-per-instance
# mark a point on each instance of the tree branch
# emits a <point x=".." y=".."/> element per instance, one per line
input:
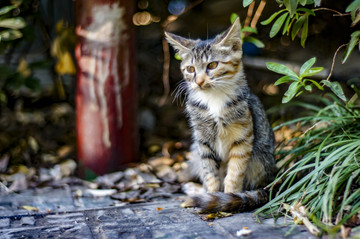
<point x="333" y="61"/>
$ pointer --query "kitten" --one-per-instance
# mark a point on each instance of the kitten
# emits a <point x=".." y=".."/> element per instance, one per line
<point x="233" y="142"/>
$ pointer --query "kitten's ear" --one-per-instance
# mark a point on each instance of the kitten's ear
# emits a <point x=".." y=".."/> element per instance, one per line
<point x="231" y="37"/>
<point x="179" y="43"/>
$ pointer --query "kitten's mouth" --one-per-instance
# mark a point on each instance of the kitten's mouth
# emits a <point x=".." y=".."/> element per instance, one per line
<point x="204" y="87"/>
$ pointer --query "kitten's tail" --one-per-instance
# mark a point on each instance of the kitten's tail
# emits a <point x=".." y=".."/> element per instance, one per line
<point x="229" y="202"/>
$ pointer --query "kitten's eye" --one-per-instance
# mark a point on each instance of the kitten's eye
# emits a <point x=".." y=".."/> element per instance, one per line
<point x="190" y="69"/>
<point x="212" y="65"/>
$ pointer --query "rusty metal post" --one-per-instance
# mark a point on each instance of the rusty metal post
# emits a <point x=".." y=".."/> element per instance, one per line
<point x="106" y="95"/>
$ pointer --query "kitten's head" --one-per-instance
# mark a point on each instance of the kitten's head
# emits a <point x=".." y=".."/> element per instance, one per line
<point x="211" y="64"/>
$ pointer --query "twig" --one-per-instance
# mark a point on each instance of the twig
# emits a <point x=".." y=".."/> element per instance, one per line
<point x="249" y="14"/>
<point x="258" y="13"/>
<point x="256" y="17"/>
<point x="166" y="65"/>
<point x="299" y="214"/>
<point x="312" y="127"/>
<point x="333" y="61"/>
<point x="166" y="68"/>
<point x="338" y="14"/>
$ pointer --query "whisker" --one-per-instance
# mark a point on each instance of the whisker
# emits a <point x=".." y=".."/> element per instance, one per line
<point x="178" y="92"/>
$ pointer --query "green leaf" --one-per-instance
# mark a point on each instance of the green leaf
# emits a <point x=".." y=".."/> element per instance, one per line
<point x="6" y="9"/>
<point x="305" y="29"/>
<point x="13" y="23"/>
<point x="308" y="88"/>
<point x="307" y="65"/>
<point x="317" y="3"/>
<point x="356" y="90"/>
<point x="247" y="2"/>
<point x="286" y="25"/>
<point x="16" y="3"/>
<point x="303" y="2"/>
<point x="277" y="25"/>
<point x="281" y="69"/>
<point x="249" y="29"/>
<point x="177" y="56"/>
<point x="285" y="79"/>
<point x="336" y="88"/>
<point x="9" y="35"/>
<point x="3" y="97"/>
<point x="272" y="17"/>
<point x="291" y="92"/>
<point x="316" y="84"/>
<point x="353" y="6"/>
<point x="297" y="26"/>
<point x="32" y="83"/>
<point x="291" y="6"/>
<point x="254" y="41"/>
<point x="5" y="72"/>
<point x="312" y="71"/>
<point x="233" y="17"/>
<point x="354" y="9"/>
<point x="299" y="93"/>
<point x="353" y="41"/>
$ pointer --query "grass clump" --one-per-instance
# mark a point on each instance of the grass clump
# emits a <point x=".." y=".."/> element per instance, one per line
<point x="320" y="166"/>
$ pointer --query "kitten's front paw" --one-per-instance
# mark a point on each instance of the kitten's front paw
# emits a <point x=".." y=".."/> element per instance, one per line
<point x="231" y="186"/>
<point x="212" y="184"/>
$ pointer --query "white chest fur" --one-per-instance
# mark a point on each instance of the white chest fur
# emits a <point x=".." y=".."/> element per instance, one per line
<point x="215" y="102"/>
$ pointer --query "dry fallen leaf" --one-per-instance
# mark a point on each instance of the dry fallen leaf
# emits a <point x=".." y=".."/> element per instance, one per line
<point x="299" y="214"/>
<point x="65" y="64"/>
<point x="30" y="208"/>
<point x="155" y="162"/>
<point x="212" y="216"/>
<point x="23" y="68"/>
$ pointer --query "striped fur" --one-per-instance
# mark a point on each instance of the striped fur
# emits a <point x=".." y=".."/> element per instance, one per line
<point x="232" y="148"/>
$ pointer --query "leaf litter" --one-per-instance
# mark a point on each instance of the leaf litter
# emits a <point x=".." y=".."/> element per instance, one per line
<point x="37" y="150"/>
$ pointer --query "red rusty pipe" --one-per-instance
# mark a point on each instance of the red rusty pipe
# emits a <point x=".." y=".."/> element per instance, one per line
<point x="106" y="99"/>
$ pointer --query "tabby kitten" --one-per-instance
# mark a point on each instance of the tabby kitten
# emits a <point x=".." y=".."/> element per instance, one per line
<point x="233" y="142"/>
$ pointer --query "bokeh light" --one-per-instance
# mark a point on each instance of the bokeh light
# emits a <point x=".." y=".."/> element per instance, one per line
<point x="142" y="18"/>
<point x="143" y="4"/>
<point x="176" y="7"/>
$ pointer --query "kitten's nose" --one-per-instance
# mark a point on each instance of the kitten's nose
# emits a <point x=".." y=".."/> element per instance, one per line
<point x="200" y="80"/>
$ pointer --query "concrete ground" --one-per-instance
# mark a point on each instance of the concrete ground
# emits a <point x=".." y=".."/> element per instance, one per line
<point x="58" y="213"/>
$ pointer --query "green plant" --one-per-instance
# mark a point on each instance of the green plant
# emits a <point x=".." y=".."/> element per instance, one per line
<point x="13" y="27"/>
<point x="10" y="26"/>
<point x="319" y="176"/>
<point x="301" y="82"/>
<point x="294" y="19"/>
<point x="320" y="168"/>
